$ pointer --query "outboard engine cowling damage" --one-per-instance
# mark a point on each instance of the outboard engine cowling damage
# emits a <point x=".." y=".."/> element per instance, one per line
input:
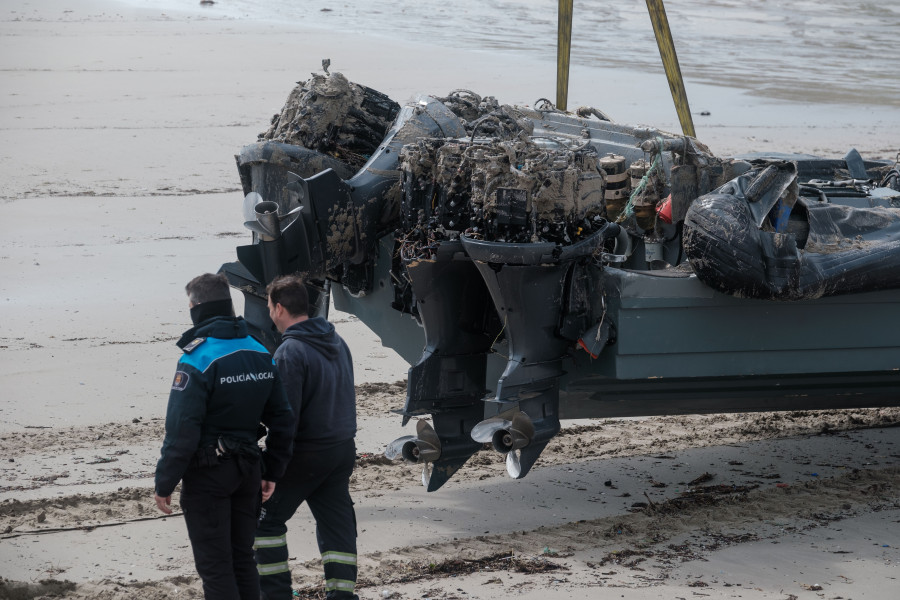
<point x="500" y="222"/>
<point x="508" y="234"/>
<point x="514" y="221"/>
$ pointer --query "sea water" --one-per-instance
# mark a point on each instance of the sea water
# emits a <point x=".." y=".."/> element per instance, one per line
<point x="841" y="51"/>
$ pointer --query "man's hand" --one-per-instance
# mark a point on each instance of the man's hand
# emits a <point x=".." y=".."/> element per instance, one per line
<point x="267" y="488"/>
<point x="164" y="504"/>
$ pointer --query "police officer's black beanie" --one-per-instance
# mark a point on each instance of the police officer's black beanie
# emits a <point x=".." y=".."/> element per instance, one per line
<point x="213" y="308"/>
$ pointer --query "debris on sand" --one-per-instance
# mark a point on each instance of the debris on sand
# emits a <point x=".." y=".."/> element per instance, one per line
<point x="501" y="561"/>
<point x="45" y="588"/>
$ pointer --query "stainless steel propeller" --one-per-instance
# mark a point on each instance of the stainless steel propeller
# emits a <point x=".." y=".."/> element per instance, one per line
<point x="426" y="474"/>
<point x="250" y="202"/>
<point x="514" y="464"/>
<point x="483" y="432"/>
<point x="507" y="436"/>
<point x="423" y="448"/>
<point x="261" y="217"/>
<point x="394" y="450"/>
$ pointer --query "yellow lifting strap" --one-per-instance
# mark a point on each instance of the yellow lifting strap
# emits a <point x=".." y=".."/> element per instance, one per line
<point x="563" y="51"/>
<point x="670" y="63"/>
<point x="666" y="51"/>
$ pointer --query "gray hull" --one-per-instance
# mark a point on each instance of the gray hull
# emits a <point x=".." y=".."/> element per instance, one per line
<point x="533" y="265"/>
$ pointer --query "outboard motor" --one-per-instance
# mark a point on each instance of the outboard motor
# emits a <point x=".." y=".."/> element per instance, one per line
<point x="528" y="284"/>
<point x="339" y="224"/>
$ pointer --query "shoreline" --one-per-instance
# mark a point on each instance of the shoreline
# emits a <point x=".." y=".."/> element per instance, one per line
<point x="120" y="186"/>
<point x="137" y="105"/>
<point x="799" y="54"/>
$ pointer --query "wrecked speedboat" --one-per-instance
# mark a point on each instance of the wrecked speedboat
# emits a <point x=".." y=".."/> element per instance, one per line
<point x="533" y="264"/>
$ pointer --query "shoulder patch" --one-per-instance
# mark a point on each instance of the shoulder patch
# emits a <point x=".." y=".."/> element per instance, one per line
<point x="181" y="380"/>
<point x="193" y="345"/>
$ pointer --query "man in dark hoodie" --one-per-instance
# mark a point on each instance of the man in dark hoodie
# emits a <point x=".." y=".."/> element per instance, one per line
<point x="318" y="377"/>
<point x="225" y="385"/>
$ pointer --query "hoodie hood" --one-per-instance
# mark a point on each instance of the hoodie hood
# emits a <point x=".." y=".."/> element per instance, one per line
<point x="316" y="333"/>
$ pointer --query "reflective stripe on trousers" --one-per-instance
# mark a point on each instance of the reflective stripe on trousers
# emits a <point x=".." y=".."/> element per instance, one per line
<point x="340" y="571"/>
<point x="278" y="544"/>
<point x="321" y="480"/>
<point x="344" y="558"/>
<point x="342" y="585"/>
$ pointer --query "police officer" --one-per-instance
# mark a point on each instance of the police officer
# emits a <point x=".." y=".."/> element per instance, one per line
<point x="318" y="378"/>
<point x="225" y="385"/>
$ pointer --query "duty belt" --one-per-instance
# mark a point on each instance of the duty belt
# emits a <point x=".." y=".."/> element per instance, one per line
<point x="225" y="449"/>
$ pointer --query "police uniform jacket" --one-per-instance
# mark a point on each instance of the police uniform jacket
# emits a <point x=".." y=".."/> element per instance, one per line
<point x="225" y="385"/>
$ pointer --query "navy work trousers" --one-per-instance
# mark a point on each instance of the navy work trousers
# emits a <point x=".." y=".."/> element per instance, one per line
<point x="322" y="479"/>
<point x="221" y="507"/>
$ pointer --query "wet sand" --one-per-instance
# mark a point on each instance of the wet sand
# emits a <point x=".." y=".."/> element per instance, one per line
<point x="121" y="127"/>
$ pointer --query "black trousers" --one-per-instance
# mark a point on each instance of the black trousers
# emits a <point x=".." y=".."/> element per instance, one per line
<point x="322" y="479"/>
<point x="221" y="507"/>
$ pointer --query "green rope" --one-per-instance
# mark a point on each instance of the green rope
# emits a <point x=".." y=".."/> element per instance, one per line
<point x="656" y="165"/>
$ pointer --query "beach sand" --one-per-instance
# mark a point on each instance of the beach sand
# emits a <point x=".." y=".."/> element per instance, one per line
<point x="119" y="185"/>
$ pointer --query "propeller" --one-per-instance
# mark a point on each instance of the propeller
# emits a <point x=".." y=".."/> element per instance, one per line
<point x="423" y="448"/>
<point x="514" y="464"/>
<point x="394" y="450"/>
<point x="507" y="436"/>
<point x="483" y="432"/>
<point x="250" y="202"/>
<point x="261" y="217"/>
<point x="426" y="474"/>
